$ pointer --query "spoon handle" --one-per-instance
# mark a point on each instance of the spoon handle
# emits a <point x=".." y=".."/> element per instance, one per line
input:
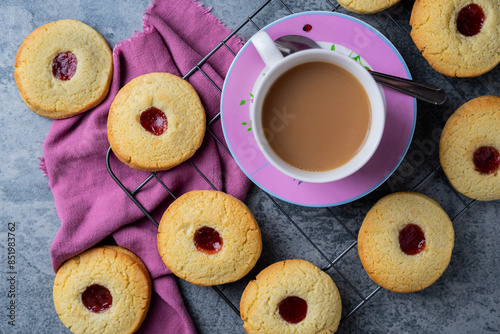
<point x="424" y="92"/>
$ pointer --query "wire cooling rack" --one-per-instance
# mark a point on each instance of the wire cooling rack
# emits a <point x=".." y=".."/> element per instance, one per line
<point x="431" y="171"/>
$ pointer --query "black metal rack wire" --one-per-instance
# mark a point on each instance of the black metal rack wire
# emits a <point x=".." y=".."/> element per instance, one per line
<point x="153" y="177"/>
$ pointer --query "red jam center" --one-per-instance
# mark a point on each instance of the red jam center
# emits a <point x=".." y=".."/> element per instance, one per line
<point x="154" y="121"/>
<point x="470" y="20"/>
<point x="64" y="65"/>
<point x="486" y="159"/>
<point x="97" y="298"/>
<point x="411" y="239"/>
<point x="293" y="309"/>
<point x="207" y="240"/>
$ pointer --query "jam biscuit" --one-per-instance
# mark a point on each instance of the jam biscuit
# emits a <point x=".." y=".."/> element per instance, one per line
<point x="156" y="122"/>
<point x="366" y="6"/>
<point x="105" y="289"/>
<point x="469" y="148"/>
<point x="209" y="237"/>
<point x="458" y="38"/>
<point x="292" y="296"/>
<point x="63" y="69"/>
<point x="405" y="242"/>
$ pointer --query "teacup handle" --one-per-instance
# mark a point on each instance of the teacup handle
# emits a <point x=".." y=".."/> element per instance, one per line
<point x="266" y="48"/>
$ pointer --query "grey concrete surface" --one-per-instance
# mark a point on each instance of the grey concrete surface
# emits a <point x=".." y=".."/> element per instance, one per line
<point x="466" y="299"/>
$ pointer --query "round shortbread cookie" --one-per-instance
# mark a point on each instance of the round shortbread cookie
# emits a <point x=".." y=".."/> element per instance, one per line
<point x="292" y="296"/>
<point x="367" y="6"/>
<point x="457" y="37"/>
<point x="156" y="122"/>
<point x="469" y="149"/>
<point x="105" y="289"/>
<point x="209" y="237"/>
<point x="63" y="68"/>
<point x="405" y="242"/>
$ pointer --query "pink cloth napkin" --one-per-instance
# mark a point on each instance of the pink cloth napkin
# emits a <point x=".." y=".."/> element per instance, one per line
<point x="177" y="35"/>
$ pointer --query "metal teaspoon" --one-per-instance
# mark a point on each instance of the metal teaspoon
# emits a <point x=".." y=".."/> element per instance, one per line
<point x="289" y="44"/>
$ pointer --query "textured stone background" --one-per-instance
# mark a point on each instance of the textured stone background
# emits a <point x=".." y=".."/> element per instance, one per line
<point x="465" y="300"/>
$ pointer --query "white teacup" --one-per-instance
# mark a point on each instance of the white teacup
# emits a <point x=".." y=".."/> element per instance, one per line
<point x="277" y="66"/>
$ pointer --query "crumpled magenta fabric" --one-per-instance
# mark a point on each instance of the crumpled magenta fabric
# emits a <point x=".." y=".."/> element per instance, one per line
<point x="177" y="34"/>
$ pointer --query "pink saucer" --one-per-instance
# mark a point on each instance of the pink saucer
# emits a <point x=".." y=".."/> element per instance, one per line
<point x="344" y="34"/>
